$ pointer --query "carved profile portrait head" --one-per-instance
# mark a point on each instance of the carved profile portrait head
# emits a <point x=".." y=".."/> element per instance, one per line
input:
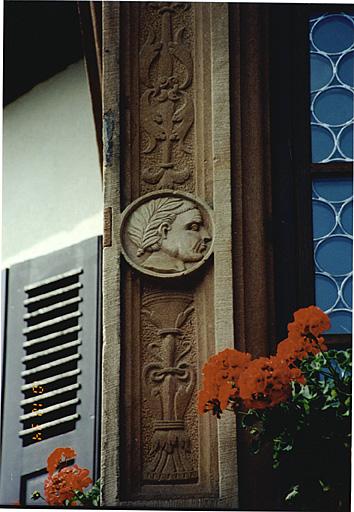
<point x="168" y="234"/>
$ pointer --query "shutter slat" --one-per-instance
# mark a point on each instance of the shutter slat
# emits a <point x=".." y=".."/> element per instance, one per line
<point x="49" y="309"/>
<point x="52" y="336"/>
<point x="49" y="351"/>
<point x="48" y="425"/>
<point x="47" y="410"/>
<point x="54" y="321"/>
<point x="50" y="280"/>
<point x="50" y="394"/>
<point x="47" y="366"/>
<point x="53" y="293"/>
<point x="49" y="380"/>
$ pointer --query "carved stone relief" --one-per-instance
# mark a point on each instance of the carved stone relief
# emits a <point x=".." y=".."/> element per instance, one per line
<point x="169" y="381"/>
<point x="166" y="105"/>
<point x="166" y="86"/>
<point x="167" y="234"/>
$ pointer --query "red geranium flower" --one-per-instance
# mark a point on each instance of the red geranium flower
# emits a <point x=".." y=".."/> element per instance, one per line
<point x="309" y="320"/>
<point x="266" y="382"/>
<point x="220" y="382"/>
<point x="300" y="347"/>
<point x="60" y="486"/>
<point x="58" y="456"/>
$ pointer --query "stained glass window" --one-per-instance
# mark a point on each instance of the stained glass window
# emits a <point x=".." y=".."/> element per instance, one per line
<point x="332" y="100"/>
<point x="332" y="92"/>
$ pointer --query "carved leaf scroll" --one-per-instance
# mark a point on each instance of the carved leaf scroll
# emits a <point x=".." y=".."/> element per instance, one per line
<point x="166" y="107"/>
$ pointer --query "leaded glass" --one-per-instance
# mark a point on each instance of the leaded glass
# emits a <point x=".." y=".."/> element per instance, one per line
<point x="332" y="93"/>
<point x="332" y="202"/>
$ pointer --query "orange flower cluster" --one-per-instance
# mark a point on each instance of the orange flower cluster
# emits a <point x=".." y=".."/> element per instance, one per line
<point x="267" y="382"/>
<point x="231" y="376"/>
<point x="59" y="456"/>
<point x="60" y="486"/>
<point x="221" y="376"/>
<point x="293" y="348"/>
<point x="309" y="320"/>
<point x="304" y="335"/>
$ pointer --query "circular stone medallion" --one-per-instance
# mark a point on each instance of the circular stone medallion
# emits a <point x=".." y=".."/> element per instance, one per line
<point x="167" y="234"/>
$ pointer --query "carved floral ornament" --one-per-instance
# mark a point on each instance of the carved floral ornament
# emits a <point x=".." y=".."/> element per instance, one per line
<point x="167" y="234"/>
<point x="167" y="107"/>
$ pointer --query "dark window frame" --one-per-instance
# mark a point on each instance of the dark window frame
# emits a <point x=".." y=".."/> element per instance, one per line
<point x="292" y="167"/>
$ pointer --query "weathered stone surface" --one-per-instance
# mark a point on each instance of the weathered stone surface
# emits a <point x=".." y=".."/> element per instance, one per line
<point x="174" y="118"/>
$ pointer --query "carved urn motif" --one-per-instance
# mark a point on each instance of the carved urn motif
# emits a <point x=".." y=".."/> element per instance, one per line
<point x="170" y="381"/>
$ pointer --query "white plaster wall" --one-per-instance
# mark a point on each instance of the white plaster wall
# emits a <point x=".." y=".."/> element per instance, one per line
<point x="52" y="192"/>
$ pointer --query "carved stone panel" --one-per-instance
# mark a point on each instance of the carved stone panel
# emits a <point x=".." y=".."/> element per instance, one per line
<point x="168" y="300"/>
<point x="167" y="234"/>
<point x="166" y="102"/>
<point x="169" y="379"/>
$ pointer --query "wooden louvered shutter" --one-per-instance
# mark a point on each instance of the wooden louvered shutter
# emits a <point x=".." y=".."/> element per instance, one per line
<point x="51" y="366"/>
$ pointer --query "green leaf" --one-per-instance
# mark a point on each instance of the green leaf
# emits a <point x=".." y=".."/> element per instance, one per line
<point x="306" y="392"/>
<point x="293" y="493"/>
<point x="325" y="488"/>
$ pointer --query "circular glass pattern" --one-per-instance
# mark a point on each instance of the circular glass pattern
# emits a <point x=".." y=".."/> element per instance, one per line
<point x="335" y="190"/>
<point x="345" y="69"/>
<point x="324" y="219"/>
<point x="326" y="292"/>
<point x="321" y="71"/>
<point x="341" y="321"/>
<point x="333" y="34"/>
<point x="333" y="106"/>
<point x="334" y="255"/>
<point x="347" y="291"/>
<point x="323" y="143"/>
<point x="346" y="142"/>
<point x="346" y="218"/>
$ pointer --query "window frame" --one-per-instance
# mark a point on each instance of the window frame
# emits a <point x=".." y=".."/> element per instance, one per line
<point x="292" y="169"/>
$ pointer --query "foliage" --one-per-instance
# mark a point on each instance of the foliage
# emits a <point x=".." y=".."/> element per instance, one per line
<point x="65" y="484"/>
<point x="299" y="401"/>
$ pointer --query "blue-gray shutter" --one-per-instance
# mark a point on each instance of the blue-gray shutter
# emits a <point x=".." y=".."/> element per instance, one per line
<point x="52" y="362"/>
<point x="4" y="274"/>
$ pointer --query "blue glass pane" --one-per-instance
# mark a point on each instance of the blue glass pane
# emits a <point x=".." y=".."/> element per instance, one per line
<point x="321" y="71"/>
<point x="324" y="219"/>
<point x="346" y="69"/>
<point x="334" y="106"/>
<point x="346" y="218"/>
<point x="333" y="189"/>
<point x="348" y="291"/>
<point x="322" y="143"/>
<point x="326" y="292"/>
<point x="334" y="255"/>
<point x="333" y="34"/>
<point x="331" y="78"/>
<point x="341" y="322"/>
<point x="346" y="142"/>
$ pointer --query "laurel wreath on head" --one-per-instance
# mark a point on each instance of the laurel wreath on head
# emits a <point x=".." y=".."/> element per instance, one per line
<point x="146" y="220"/>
